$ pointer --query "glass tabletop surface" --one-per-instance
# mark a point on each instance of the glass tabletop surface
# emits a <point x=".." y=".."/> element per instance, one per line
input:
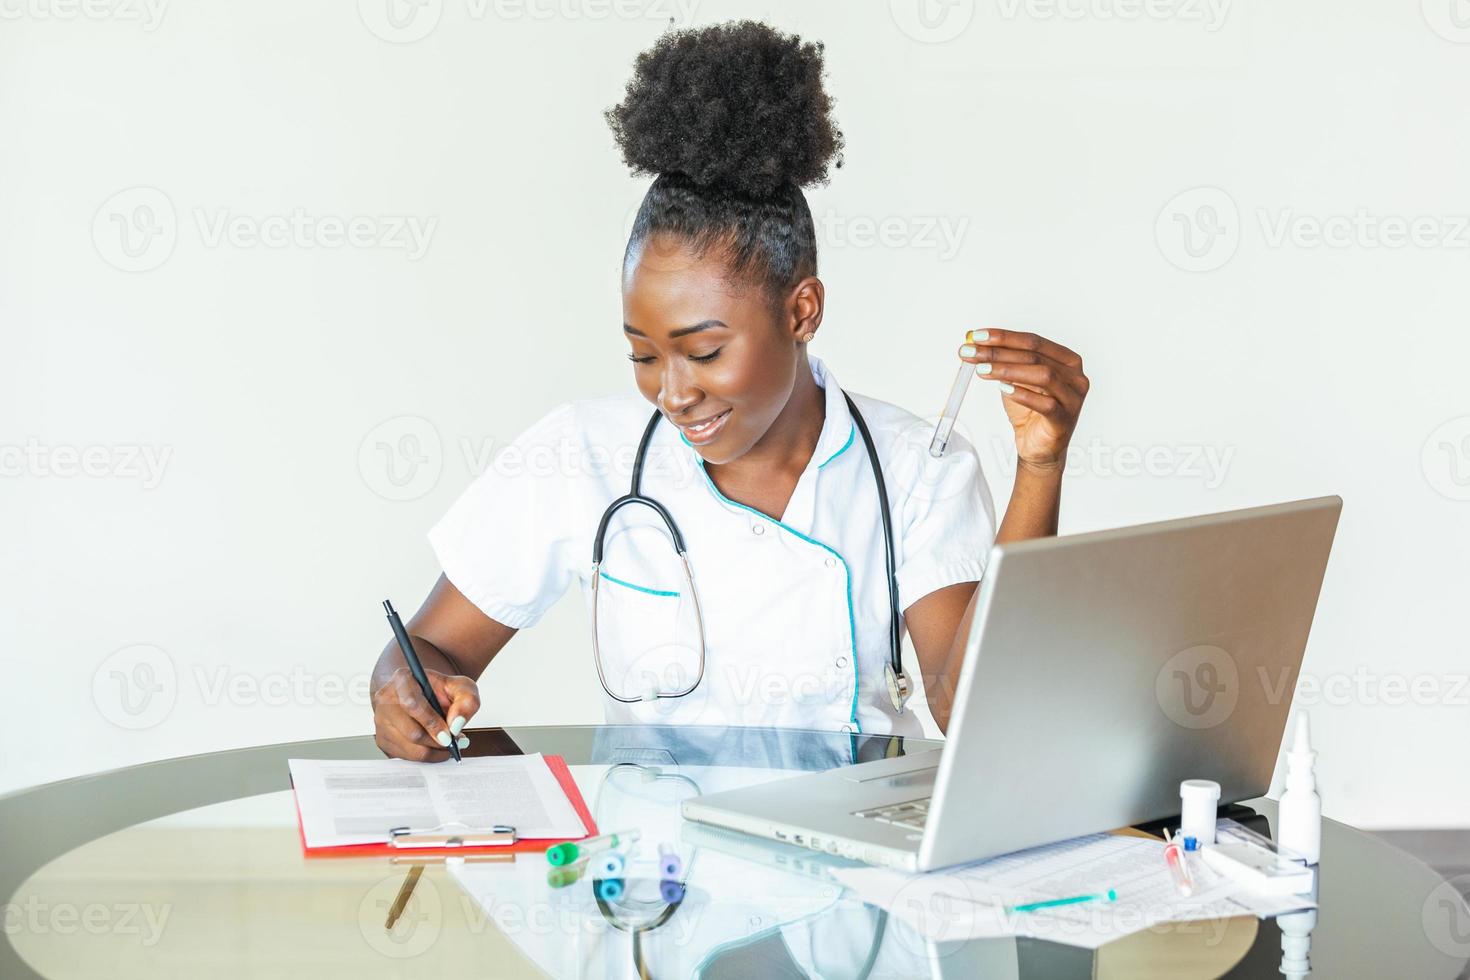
<point x="194" y="867"/>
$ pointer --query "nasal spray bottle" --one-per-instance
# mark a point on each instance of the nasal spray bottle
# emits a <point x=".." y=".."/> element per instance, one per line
<point x="1299" y="824"/>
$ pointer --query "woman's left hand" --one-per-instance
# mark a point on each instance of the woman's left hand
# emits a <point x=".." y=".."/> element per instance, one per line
<point x="1042" y="388"/>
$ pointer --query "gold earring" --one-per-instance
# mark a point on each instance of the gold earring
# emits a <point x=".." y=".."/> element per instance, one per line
<point x="809" y="337"/>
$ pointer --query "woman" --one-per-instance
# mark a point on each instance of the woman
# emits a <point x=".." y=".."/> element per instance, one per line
<point x="752" y="449"/>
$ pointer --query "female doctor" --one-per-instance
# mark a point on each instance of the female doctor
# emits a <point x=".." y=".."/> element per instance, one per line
<point x="755" y="579"/>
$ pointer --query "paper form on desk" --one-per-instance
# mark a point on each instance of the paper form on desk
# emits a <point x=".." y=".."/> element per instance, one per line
<point x="968" y="902"/>
<point x="358" y="802"/>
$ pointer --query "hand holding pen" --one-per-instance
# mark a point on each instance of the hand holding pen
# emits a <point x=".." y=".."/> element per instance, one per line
<point x="409" y="710"/>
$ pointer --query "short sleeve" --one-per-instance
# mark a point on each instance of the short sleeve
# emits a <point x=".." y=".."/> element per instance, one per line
<point x="948" y="519"/>
<point x="506" y="543"/>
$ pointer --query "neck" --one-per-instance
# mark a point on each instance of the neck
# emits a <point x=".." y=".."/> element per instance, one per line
<point x="789" y="443"/>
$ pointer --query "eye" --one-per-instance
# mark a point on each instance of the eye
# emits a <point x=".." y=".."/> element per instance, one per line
<point x="639" y="360"/>
<point x="706" y="358"/>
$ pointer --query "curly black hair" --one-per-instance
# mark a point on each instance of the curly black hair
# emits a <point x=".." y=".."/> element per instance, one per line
<point x="733" y="121"/>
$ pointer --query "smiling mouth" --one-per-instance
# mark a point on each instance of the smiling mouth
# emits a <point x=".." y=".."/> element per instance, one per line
<point x="706" y="430"/>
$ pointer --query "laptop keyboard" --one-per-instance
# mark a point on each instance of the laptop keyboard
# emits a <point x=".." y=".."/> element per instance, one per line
<point x="911" y="814"/>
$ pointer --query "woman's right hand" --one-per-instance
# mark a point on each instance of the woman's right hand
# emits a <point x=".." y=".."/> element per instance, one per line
<point x="407" y="727"/>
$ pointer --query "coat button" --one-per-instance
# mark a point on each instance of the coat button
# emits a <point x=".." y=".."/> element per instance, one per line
<point x="842" y="661"/>
<point x="831" y="562"/>
<point x="847" y="728"/>
<point x="759" y="528"/>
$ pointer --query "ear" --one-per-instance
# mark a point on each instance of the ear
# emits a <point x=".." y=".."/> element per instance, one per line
<point x="802" y="311"/>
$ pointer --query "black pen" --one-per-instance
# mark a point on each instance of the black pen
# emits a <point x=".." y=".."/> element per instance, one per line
<point x="417" y="669"/>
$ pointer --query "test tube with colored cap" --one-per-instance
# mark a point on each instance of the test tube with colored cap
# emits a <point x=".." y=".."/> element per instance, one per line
<point x="609" y="865"/>
<point x="670" y="865"/>
<point x="951" y="414"/>
<point x="609" y="889"/>
<point x="566" y="874"/>
<point x="671" y="891"/>
<point x="569" y="851"/>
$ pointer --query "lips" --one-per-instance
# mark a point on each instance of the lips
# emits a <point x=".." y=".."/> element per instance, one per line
<point x="706" y="430"/>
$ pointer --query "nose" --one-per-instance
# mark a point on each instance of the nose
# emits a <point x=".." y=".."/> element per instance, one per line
<point x="677" y="391"/>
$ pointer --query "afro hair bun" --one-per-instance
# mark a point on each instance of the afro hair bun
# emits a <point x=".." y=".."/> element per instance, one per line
<point x="737" y="108"/>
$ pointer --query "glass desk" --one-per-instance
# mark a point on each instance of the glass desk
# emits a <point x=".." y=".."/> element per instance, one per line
<point x="193" y="867"/>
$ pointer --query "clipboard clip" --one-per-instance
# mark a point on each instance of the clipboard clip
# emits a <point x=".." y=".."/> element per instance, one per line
<point x="451" y="835"/>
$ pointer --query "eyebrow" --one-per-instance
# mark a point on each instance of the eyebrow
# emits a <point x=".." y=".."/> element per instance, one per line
<point x="682" y="331"/>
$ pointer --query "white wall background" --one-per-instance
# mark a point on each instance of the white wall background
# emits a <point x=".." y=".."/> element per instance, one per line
<point x="190" y="425"/>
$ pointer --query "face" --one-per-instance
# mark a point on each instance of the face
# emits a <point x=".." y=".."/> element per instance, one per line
<point x="705" y="351"/>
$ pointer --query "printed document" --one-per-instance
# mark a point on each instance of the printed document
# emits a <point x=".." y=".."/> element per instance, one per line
<point x="358" y="802"/>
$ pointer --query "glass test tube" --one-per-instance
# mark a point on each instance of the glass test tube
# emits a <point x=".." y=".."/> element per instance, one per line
<point x="951" y="409"/>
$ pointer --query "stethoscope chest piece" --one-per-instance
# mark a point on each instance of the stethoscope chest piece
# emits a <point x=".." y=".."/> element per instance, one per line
<point x="898" y="687"/>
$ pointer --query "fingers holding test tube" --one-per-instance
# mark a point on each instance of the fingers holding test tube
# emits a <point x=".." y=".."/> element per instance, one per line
<point x="1042" y="385"/>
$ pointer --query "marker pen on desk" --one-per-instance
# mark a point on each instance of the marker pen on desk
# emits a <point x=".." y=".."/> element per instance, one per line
<point x="1111" y="895"/>
<point x="417" y="669"/>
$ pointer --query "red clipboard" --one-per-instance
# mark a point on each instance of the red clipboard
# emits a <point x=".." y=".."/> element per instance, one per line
<point x="555" y="763"/>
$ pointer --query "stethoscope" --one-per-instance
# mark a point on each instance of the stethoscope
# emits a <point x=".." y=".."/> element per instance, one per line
<point x="898" y="685"/>
<point x="650" y="914"/>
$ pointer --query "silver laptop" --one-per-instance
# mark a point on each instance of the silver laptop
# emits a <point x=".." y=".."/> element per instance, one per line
<point x="1101" y="669"/>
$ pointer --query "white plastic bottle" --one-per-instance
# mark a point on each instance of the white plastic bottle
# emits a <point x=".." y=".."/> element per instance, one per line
<point x="1299" y="824"/>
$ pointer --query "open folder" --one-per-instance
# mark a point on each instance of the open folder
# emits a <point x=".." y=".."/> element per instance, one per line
<point x="349" y="808"/>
